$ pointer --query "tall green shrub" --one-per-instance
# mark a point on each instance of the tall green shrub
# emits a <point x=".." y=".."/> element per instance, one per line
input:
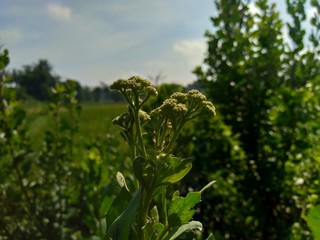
<point x="266" y="90"/>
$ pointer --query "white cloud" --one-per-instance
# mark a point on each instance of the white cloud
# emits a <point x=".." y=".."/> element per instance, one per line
<point x="193" y="50"/>
<point x="59" y="11"/>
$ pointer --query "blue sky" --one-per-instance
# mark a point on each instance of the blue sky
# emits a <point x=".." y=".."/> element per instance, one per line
<point x="103" y="40"/>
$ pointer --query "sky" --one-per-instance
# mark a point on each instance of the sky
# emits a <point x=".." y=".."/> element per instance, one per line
<point x="104" y="40"/>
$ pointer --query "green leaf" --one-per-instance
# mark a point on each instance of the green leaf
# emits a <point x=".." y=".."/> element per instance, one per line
<point x="138" y="163"/>
<point x="115" y="206"/>
<point x="120" y="228"/>
<point x="174" y="169"/>
<point x="4" y="59"/>
<point x="94" y="155"/>
<point x="207" y="186"/>
<point x="149" y="171"/>
<point x="159" y="228"/>
<point x="211" y="237"/>
<point x="181" y="209"/>
<point x="192" y="226"/>
<point x="314" y="222"/>
<point x="155" y="214"/>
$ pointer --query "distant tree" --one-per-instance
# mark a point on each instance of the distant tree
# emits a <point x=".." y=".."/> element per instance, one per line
<point x="36" y="80"/>
<point x="85" y="94"/>
<point x="96" y="93"/>
<point x="116" y="97"/>
<point x="105" y="92"/>
<point x="157" y="79"/>
<point x="102" y="93"/>
<point x="164" y="91"/>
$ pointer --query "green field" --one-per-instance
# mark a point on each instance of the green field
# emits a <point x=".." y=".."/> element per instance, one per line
<point x="95" y="120"/>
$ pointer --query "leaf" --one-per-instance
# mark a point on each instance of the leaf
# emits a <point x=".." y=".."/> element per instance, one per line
<point x="313" y="222"/>
<point x="155" y="214"/>
<point x="181" y="209"/>
<point x="149" y="173"/>
<point x="114" y="207"/>
<point x="159" y="228"/>
<point x="211" y="237"/>
<point x="4" y="59"/>
<point x="192" y="226"/>
<point x="120" y="228"/>
<point x="175" y="170"/>
<point x="121" y="180"/>
<point x="94" y="155"/>
<point x="138" y="163"/>
<point x="207" y="186"/>
<point x="116" y="204"/>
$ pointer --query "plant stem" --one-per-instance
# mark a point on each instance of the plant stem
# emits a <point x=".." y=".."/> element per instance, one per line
<point x="139" y="133"/>
<point x="145" y="205"/>
<point x="175" y="137"/>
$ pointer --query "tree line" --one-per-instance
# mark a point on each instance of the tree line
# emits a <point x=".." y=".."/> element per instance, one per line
<point x="36" y="81"/>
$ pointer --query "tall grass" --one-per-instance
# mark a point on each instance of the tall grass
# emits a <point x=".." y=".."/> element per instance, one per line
<point x="95" y="121"/>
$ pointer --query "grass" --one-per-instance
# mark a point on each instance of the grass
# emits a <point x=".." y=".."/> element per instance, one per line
<point x="95" y="120"/>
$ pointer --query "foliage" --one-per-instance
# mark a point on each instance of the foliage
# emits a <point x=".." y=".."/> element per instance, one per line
<point x="267" y="92"/>
<point x="36" y="80"/>
<point x="262" y="149"/>
<point x="40" y="196"/>
<point x="151" y="210"/>
<point x="49" y="175"/>
<point x="98" y="94"/>
<point x="313" y="221"/>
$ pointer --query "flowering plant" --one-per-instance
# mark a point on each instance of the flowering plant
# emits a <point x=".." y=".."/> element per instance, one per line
<point x="150" y="211"/>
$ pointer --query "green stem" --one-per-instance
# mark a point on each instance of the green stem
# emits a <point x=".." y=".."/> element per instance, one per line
<point x="163" y="234"/>
<point x="145" y="205"/>
<point x="162" y="132"/>
<point x="139" y="133"/>
<point x="168" y="149"/>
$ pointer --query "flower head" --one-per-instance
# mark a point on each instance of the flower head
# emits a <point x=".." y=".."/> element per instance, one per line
<point x="144" y="116"/>
<point x="120" y="85"/>
<point x="181" y="97"/>
<point x="195" y="95"/>
<point x="135" y="89"/>
<point x="171" y="105"/>
<point x="137" y="83"/>
<point x="208" y="108"/>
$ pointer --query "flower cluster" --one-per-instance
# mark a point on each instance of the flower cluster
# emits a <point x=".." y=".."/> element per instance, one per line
<point x="185" y="105"/>
<point x="144" y="116"/>
<point x="174" y="113"/>
<point x="136" y="90"/>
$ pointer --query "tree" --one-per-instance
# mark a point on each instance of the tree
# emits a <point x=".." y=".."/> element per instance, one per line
<point x="36" y="80"/>
<point x="260" y="86"/>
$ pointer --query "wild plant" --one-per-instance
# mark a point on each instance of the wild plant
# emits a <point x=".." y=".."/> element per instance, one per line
<point x="18" y="216"/>
<point x="148" y="208"/>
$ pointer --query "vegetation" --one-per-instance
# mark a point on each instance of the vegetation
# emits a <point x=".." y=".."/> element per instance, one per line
<point x="35" y="81"/>
<point x="95" y="120"/>
<point x="61" y="164"/>
<point x="151" y="211"/>
<point x="41" y="197"/>
<point x="264" y="148"/>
